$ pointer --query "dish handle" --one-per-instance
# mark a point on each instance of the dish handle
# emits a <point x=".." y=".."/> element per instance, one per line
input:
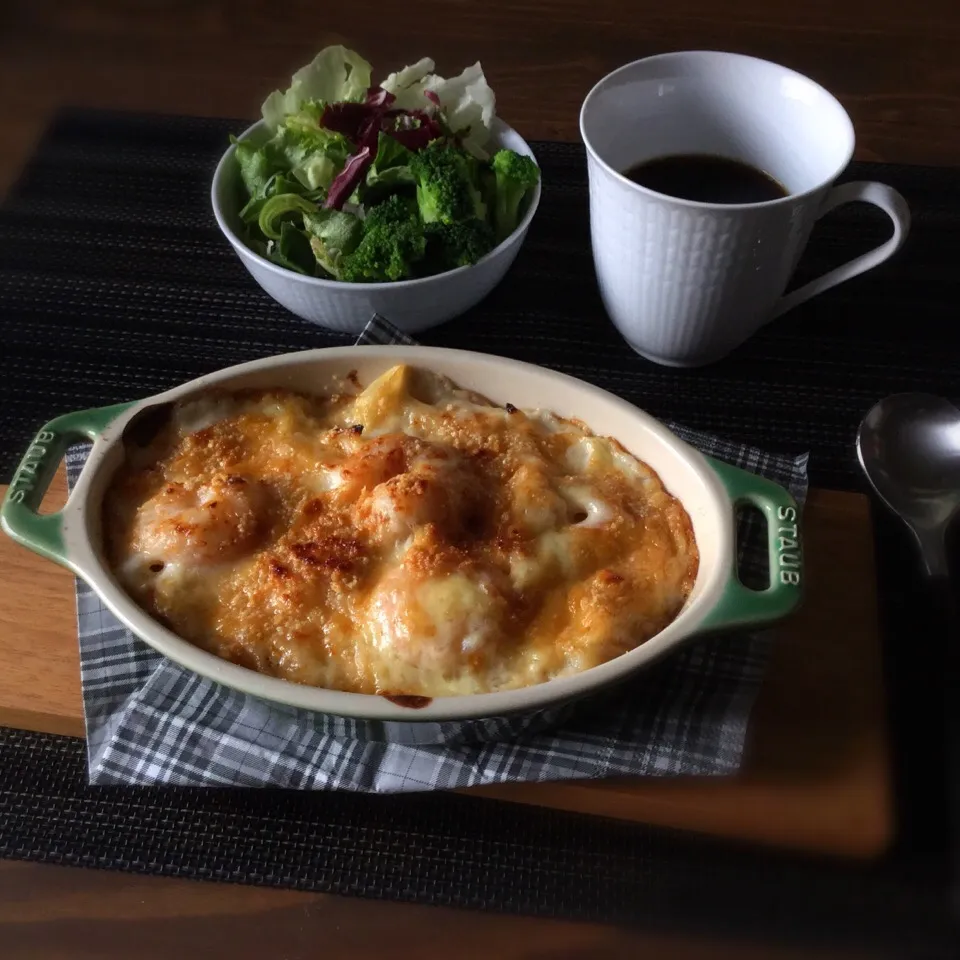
<point x="18" y="515"/>
<point x="740" y="606"/>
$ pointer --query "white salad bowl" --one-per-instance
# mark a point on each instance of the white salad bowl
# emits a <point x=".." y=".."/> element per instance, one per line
<point x="411" y="305"/>
<point x="709" y="490"/>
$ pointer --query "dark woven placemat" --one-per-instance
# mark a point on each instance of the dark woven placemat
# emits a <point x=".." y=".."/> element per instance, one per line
<point x="114" y="283"/>
<point x="448" y="850"/>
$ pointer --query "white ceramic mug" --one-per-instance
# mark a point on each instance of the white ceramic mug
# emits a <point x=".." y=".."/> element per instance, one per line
<point x="686" y="282"/>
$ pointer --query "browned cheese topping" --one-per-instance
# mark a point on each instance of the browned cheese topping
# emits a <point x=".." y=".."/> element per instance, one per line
<point x="409" y="539"/>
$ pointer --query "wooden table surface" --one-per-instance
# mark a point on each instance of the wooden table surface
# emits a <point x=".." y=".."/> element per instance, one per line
<point x="895" y="68"/>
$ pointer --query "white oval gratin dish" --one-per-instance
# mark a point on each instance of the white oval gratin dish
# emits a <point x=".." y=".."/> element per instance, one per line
<point x="709" y="490"/>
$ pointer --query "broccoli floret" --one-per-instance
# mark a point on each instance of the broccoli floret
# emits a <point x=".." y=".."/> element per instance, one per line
<point x="388" y="251"/>
<point x="515" y="176"/>
<point x="393" y="243"/>
<point x="452" y="245"/>
<point x="397" y="208"/>
<point x="447" y="187"/>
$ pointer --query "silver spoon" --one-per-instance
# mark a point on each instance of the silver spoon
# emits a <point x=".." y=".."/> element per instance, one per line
<point x="909" y="448"/>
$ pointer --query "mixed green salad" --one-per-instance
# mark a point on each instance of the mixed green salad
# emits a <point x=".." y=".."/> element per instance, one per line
<point x="366" y="183"/>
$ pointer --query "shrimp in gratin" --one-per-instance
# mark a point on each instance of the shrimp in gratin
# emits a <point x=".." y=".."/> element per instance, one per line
<point x="204" y="524"/>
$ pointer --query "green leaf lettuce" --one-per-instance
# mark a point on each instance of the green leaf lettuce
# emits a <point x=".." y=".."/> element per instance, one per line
<point x="334" y="75"/>
<point x="333" y="235"/>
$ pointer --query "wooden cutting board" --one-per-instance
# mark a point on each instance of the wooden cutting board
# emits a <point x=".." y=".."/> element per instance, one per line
<point x="816" y="775"/>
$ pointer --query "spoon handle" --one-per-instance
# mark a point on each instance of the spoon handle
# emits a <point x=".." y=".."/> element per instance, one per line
<point x="934" y="552"/>
<point x="943" y="606"/>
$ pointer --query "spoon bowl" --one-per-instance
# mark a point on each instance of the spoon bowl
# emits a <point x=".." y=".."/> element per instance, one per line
<point x="909" y="448"/>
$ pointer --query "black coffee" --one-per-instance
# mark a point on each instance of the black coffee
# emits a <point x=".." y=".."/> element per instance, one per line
<point x="706" y="179"/>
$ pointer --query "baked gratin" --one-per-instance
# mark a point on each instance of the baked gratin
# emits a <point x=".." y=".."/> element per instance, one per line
<point x="409" y="539"/>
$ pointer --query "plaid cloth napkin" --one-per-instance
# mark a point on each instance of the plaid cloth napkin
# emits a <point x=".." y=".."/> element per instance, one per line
<point x="149" y="721"/>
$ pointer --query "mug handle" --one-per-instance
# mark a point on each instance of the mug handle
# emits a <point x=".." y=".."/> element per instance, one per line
<point x="860" y="191"/>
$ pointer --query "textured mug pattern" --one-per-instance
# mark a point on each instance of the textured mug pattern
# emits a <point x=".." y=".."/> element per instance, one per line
<point x="667" y="271"/>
